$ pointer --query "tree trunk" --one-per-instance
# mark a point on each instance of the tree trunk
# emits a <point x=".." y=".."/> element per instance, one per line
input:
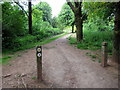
<point x="76" y="8"/>
<point x="78" y="23"/>
<point x="30" y="17"/>
<point x="116" y="40"/>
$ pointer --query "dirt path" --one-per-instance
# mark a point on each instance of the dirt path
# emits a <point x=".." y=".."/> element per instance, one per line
<point x="63" y="66"/>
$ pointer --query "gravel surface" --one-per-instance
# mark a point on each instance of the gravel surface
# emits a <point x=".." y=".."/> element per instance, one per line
<point x="64" y="66"/>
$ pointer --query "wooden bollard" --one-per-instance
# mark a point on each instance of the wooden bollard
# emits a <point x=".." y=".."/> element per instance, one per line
<point x="104" y="54"/>
<point x="39" y="62"/>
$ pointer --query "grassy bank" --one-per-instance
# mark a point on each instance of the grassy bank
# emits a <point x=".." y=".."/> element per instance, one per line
<point x="7" y="55"/>
<point x="93" y="40"/>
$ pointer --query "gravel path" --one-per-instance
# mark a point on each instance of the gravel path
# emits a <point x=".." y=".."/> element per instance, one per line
<point x="63" y="66"/>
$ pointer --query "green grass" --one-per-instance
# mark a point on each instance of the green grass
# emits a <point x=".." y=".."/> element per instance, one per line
<point x="34" y="77"/>
<point x="72" y="40"/>
<point x="93" y="40"/>
<point x="51" y="39"/>
<point x="32" y="44"/>
<point x="44" y="41"/>
<point x="95" y="57"/>
<point x="6" y="58"/>
<point x="99" y="61"/>
<point x="92" y="55"/>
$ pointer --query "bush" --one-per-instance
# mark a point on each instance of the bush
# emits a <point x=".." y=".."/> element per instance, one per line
<point x="20" y="42"/>
<point x="13" y="24"/>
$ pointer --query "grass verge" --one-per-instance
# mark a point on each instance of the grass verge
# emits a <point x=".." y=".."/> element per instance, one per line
<point x="7" y="57"/>
<point x="93" y="40"/>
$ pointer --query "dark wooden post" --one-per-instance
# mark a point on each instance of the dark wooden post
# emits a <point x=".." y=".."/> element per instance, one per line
<point x="104" y="54"/>
<point x="39" y="62"/>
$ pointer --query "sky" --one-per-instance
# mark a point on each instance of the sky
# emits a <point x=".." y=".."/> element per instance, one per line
<point x="56" y="5"/>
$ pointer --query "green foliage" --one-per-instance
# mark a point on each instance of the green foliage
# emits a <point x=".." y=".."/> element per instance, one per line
<point x="54" y="22"/>
<point x="5" y="59"/>
<point x="20" y="43"/>
<point x="103" y="10"/>
<point x="13" y="23"/>
<point x="72" y="40"/>
<point x="15" y="36"/>
<point x="99" y="25"/>
<point x="51" y="39"/>
<point x="66" y="16"/>
<point x="46" y="9"/>
<point x="100" y="15"/>
<point x="36" y="19"/>
<point x="34" y="78"/>
<point x="42" y="23"/>
<point x="93" y="40"/>
<point x="27" y="43"/>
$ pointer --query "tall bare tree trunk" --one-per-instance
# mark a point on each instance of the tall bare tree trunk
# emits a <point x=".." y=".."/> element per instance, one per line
<point x="76" y="8"/>
<point x="78" y="23"/>
<point x="30" y="16"/>
<point x="116" y="41"/>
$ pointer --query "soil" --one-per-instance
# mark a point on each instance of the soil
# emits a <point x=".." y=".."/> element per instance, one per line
<point x="64" y="66"/>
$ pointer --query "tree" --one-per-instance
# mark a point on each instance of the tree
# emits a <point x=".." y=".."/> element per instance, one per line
<point x="105" y="11"/>
<point x="29" y="15"/>
<point x="76" y="8"/>
<point x="99" y="15"/>
<point x="54" y="22"/>
<point x="116" y="41"/>
<point x="66" y="16"/>
<point x="46" y="9"/>
<point x="18" y="3"/>
<point x="36" y="20"/>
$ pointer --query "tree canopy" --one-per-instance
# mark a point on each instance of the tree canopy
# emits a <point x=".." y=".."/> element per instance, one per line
<point x="66" y="15"/>
<point x="46" y="9"/>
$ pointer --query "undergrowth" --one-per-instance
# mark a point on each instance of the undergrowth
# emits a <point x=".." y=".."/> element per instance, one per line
<point x="93" y="40"/>
<point x="6" y="57"/>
